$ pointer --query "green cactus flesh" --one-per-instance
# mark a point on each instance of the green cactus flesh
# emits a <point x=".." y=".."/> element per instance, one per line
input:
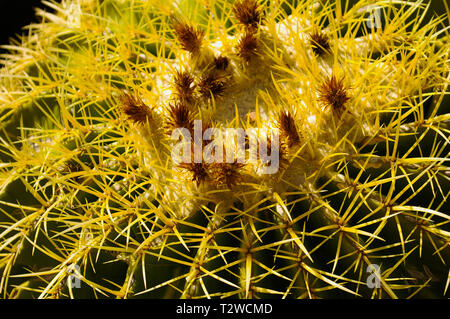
<point x="358" y="206"/>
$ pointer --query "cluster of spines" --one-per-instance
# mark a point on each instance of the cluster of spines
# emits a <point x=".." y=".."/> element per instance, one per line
<point x="199" y="171"/>
<point x="179" y="116"/>
<point x="190" y="38"/>
<point x="221" y="62"/>
<point x="212" y="84"/>
<point x="288" y="129"/>
<point x="333" y="94"/>
<point x="214" y="80"/>
<point x="320" y="43"/>
<point x="219" y="174"/>
<point x="248" y="13"/>
<point x="135" y="109"/>
<point x="247" y="46"/>
<point x="184" y="86"/>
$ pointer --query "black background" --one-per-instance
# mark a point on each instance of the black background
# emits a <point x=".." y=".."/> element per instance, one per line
<point x="14" y="14"/>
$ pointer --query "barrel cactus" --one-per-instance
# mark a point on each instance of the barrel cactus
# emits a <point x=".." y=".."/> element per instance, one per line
<point x="226" y="149"/>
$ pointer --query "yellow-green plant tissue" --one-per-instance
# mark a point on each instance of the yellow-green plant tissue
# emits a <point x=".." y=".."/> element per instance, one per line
<point x="226" y="149"/>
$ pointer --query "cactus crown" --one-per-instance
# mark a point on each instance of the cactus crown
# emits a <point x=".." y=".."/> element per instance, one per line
<point x="343" y="166"/>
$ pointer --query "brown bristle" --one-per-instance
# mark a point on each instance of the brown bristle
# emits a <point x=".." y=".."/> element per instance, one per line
<point x="199" y="171"/>
<point x="319" y="42"/>
<point x="212" y="84"/>
<point x="248" y="13"/>
<point x="190" y="37"/>
<point x="281" y="149"/>
<point x="247" y="46"/>
<point x="288" y="130"/>
<point x="333" y="94"/>
<point x="228" y="174"/>
<point x="135" y="109"/>
<point x="73" y="166"/>
<point x="221" y="63"/>
<point x="180" y="116"/>
<point x="183" y="85"/>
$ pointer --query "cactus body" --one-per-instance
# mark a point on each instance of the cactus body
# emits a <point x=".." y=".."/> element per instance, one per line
<point x="348" y="199"/>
